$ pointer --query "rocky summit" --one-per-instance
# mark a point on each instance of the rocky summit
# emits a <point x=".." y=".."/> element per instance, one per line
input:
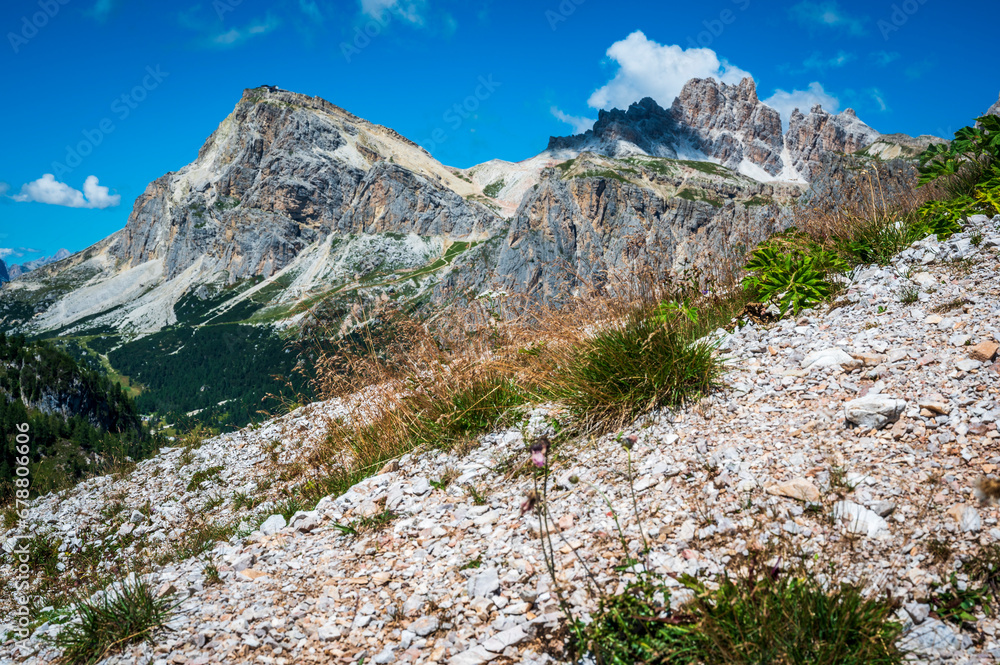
<point x="857" y="431"/>
<point x="726" y="124"/>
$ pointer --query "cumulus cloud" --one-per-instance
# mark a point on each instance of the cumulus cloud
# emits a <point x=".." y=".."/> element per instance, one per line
<point x="3" y="188"/>
<point x="49" y="190"/>
<point x="408" y="10"/>
<point x="649" y="69"/>
<point x="579" y="123"/>
<point x="785" y="102"/>
<point x="828" y="14"/>
<point x="237" y="36"/>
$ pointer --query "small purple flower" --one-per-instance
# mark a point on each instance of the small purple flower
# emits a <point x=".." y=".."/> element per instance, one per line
<point x="539" y="449"/>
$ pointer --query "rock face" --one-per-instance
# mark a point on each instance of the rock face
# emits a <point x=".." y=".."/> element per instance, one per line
<point x="4" y="277"/>
<point x="811" y="136"/>
<point x="574" y="231"/>
<point x="727" y="124"/>
<point x="995" y="109"/>
<point x="302" y="168"/>
<point x="731" y="124"/>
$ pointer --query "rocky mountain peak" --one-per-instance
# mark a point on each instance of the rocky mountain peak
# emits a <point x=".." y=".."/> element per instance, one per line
<point x="726" y="124"/>
<point x="810" y="136"/>
<point x="4" y="277"/>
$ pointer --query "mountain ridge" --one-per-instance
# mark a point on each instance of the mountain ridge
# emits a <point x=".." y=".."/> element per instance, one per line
<point x="724" y="123"/>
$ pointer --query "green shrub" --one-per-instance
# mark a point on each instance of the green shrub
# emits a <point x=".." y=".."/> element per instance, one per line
<point x="491" y="190"/>
<point x="968" y="169"/>
<point x="128" y="613"/>
<point x="962" y="163"/>
<point x="760" y="617"/>
<point x="792" y="271"/>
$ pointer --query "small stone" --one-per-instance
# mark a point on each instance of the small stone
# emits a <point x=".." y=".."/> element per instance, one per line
<point x="932" y="636"/>
<point x="414" y="604"/>
<point x="327" y="632"/>
<point x="491" y="517"/>
<point x="272" y="525"/>
<point x="959" y="339"/>
<point x="136" y="517"/>
<point x="797" y="488"/>
<point x="304" y="521"/>
<point x="859" y="519"/>
<point x="884" y="508"/>
<point x="918" y="612"/>
<point x="425" y="625"/>
<point x="831" y="358"/>
<point x="505" y="639"/>
<point x="484" y="583"/>
<point x="420" y="487"/>
<point x="475" y="656"/>
<point x="873" y="411"/>
<point x="252" y="574"/>
<point x="968" y="365"/>
<point x="984" y="351"/>
<point x="939" y="407"/>
<point x="967" y="517"/>
<point x="924" y="279"/>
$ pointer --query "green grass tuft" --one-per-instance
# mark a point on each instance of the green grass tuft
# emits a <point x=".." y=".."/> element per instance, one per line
<point x="758" y="618"/>
<point x="128" y="613"/>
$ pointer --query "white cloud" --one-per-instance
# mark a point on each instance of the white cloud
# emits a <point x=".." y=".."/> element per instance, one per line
<point x="408" y="10"/>
<point x="311" y="9"/>
<point x="3" y="188"/>
<point x="649" y="69"/>
<point x="49" y="190"/>
<point x="16" y="252"/>
<point x="883" y="58"/>
<point x="579" y="123"/>
<point x="816" y="61"/>
<point x="237" y="36"/>
<point x="828" y="14"/>
<point x="879" y="99"/>
<point x="786" y="102"/>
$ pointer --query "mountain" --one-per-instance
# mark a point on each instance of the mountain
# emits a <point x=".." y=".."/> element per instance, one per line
<point x="78" y="417"/>
<point x="725" y="124"/>
<point x="16" y="270"/>
<point x="294" y="202"/>
<point x="4" y="277"/>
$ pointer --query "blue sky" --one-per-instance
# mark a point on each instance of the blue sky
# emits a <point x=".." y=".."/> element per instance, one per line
<point x="107" y="95"/>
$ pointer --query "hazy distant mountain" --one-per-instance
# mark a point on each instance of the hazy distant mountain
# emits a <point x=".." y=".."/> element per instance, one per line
<point x="17" y="270"/>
